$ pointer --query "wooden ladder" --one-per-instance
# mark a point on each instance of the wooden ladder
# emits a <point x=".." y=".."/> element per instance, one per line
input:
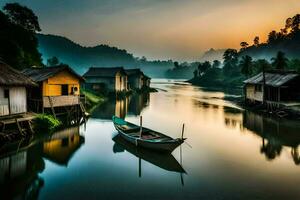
<point x="82" y="108"/>
<point x="52" y="108"/>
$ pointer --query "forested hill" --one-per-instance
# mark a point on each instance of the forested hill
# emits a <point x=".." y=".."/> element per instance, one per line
<point x="80" y="58"/>
<point x="286" y="40"/>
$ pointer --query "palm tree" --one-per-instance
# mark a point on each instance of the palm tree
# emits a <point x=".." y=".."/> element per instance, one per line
<point x="280" y="62"/>
<point x="246" y="65"/>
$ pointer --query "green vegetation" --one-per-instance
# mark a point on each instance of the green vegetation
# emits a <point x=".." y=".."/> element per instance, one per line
<point x="182" y="70"/>
<point x="18" y="26"/>
<point x="46" y="123"/>
<point x="81" y="58"/>
<point x="239" y="65"/>
<point x="92" y="99"/>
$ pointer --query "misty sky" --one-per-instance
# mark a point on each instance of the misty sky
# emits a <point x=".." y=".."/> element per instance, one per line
<point x="162" y="29"/>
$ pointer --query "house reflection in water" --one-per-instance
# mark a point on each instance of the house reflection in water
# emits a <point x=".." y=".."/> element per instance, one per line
<point x="137" y="103"/>
<point x="233" y="118"/>
<point x="19" y="173"/>
<point x="62" y="145"/>
<point x="276" y="134"/>
<point x="21" y="163"/>
<point x="132" y="105"/>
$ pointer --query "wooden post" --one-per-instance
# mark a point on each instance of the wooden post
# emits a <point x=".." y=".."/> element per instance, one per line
<point x="182" y="131"/>
<point x="264" y="85"/>
<point x="141" y="126"/>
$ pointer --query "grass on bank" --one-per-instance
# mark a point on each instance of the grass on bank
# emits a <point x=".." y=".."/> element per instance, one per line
<point x="93" y="99"/>
<point x="44" y="123"/>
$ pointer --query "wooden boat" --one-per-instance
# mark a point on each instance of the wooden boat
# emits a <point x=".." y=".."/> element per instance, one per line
<point x="164" y="161"/>
<point x="144" y="137"/>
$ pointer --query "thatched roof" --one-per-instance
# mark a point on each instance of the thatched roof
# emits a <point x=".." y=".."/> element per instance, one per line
<point x="12" y="77"/>
<point x="41" y="74"/>
<point x="104" y="72"/>
<point x="272" y="78"/>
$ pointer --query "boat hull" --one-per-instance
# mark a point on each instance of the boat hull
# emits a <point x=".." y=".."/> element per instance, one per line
<point x="165" y="146"/>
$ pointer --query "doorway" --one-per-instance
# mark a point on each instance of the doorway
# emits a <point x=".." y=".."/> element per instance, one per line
<point x="64" y="90"/>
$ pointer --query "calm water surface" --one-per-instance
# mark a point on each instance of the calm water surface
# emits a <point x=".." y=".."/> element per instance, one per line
<point x="231" y="154"/>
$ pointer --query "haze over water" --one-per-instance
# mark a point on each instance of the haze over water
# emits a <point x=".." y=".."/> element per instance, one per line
<point x="234" y="154"/>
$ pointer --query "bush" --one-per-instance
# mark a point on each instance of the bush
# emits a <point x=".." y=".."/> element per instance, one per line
<point x="45" y="123"/>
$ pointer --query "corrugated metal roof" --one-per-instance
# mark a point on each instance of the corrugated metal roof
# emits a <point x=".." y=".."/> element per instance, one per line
<point x="41" y="74"/>
<point x="12" y="77"/>
<point x="272" y="78"/>
<point x="103" y="71"/>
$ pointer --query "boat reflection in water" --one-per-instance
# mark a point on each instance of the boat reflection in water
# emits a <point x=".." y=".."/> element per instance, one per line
<point x="21" y="162"/>
<point x="132" y="105"/>
<point x="165" y="161"/>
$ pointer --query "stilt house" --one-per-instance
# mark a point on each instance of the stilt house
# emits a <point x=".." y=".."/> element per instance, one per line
<point x="58" y="87"/>
<point x="273" y="87"/>
<point x="106" y="79"/>
<point x="135" y="78"/>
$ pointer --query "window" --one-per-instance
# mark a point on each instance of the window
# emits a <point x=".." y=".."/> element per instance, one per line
<point x="65" y="142"/>
<point x="64" y="90"/>
<point x="6" y="93"/>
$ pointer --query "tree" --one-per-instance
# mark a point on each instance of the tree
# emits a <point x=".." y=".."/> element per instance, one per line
<point x="53" y="61"/>
<point x="246" y="65"/>
<point x="261" y="64"/>
<point x="256" y="41"/>
<point x="203" y="67"/>
<point x="230" y="57"/>
<point x="244" y="45"/>
<point x="216" y="64"/>
<point x="19" y="46"/>
<point x="195" y="73"/>
<point x="22" y="16"/>
<point x="280" y="62"/>
<point x="295" y="23"/>
<point x="294" y="64"/>
<point x="272" y="37"/>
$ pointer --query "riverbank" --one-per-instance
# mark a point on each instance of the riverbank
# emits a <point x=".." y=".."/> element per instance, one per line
<point x="235" y="96"/>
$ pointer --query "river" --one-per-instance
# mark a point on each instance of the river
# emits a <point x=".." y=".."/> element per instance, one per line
<point x="229" y="154"/>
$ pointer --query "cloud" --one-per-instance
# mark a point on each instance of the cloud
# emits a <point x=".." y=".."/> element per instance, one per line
<point x="162" y="28"/>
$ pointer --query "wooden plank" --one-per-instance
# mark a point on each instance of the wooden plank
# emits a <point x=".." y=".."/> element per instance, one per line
<point x="61" y="101"/>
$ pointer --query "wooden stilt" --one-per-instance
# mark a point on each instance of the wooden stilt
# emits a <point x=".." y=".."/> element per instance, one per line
<point x="141" y="126"/>
<point x="30" y="126"/>
<point x="19" y="126"/>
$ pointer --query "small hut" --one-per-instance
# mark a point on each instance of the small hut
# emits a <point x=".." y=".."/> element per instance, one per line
<point x="59" y="86"/>
<point x="146" y="81"/>
<point x="106" y="79"/>
<point x="13" y="91"/>
<point x="135" y="78"/>
<point x="273" y="87"/>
